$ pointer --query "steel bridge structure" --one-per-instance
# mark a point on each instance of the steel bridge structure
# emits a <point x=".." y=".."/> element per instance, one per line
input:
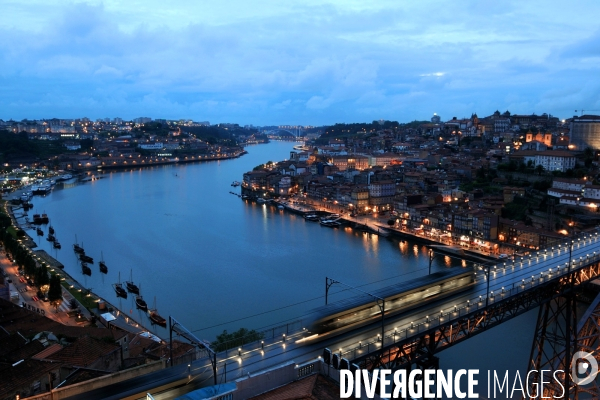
<point x="547" y="280"/>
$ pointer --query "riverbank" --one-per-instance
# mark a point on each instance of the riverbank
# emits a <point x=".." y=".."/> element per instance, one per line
<point x="91" y="308"/>
<point x="377" y="226"/>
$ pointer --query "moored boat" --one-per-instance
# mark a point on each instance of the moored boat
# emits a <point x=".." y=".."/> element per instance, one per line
<point x="141" y="303"/>
<point x="311" y="217"/>
<point x="39" y="232"/>
<point x="330" y="223"/>
<point x="45" y="218"/>
<point x="86" y="258"/>
<point x="132" y="287"/>
<point x="102" y="264"/>
<point x="50" y="238"/>
<point x="119" y="289"/>
<point x="56" y="244"/>
<point x="37" y="219"/>
<point x="85" y="269"/>
<point x="155" y="317"/>
<point x="77" y="248"/>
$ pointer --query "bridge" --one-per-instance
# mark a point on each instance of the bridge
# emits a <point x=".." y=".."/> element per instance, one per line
<point x="548" y="280"/>
<point x="297" y="132"/>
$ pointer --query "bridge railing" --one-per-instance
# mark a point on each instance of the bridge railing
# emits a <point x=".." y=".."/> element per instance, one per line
<point x="480" y="299"/>
<point x="262" y="339"/>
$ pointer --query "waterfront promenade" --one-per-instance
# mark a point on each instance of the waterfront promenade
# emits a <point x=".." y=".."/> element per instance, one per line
<point x="378" y="225"/>
<point x="79" y="315"/>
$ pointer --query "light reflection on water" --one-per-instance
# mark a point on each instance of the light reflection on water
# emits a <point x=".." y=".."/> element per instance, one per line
<point x="209" y="257"/>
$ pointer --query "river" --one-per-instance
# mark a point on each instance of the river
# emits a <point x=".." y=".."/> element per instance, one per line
<point x="215" y="262"/>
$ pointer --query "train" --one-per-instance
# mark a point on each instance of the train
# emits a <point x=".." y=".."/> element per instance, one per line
<point x="354" y="312"/>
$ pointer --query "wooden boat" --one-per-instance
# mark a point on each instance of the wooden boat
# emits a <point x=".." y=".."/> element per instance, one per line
<point x="102" y="265"/>
<point x="132" y="287"/>
<point x="77" y="248"/>
<point x="140" y="303"/>
<point x="155" y="316"/>
<point x="51" y="229"/>
<point x="119" y="289"/>
<point x="37" y="219"/>
<point x="45" y="218"/>
<point x="86" y="259"/>
<point x="50" y="237"/>
<point x="39" y="232"/>
<point x="85" y="269"/>
<point x="56" y="244"/>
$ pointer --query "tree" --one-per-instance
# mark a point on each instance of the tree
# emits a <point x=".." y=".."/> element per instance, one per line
<point x="55" y="291"/>
<point x="236" y="339"/>
<point x="540" y="169"/>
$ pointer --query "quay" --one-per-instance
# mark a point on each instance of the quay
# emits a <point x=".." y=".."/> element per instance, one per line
<point x="374" y="226"/>
<point x="105" y="314"/>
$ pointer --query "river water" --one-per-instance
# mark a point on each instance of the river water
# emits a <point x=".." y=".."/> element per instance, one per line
<point x="215" y="262"/>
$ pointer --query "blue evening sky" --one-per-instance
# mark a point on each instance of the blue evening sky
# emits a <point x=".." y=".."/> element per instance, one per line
<point x="297" y="62"/>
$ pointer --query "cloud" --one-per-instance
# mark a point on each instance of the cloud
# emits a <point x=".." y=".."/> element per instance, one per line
<point x="299" y="62"/>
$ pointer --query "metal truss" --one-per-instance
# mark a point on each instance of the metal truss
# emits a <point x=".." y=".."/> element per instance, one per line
<point x="422" y="345"/>
<point x="554" y="342"/>
<point x="557" y="339"/>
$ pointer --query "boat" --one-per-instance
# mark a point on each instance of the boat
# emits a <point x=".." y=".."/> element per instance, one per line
<point x="155" y="316"/>
<point x="102" y="265"/>
<point x="141" y="303"/>
<point x="85" y="269"/>
<point x="77" y="248"/>
<point x="86" y="258"/>
<point x="65" y="177"/>
<point x="42" y="188"/>
<point x="280" y="207"/>
<point x="45" y="218"/>
<point x="311" y="217"/>
<point x="56" y="244"/>
<point x="132" y="287"/>
<point x="330" y="223"/>
<point x="37" y="219"/>
<point x="50" y="238"/>
<point x="119" y="289"/>
<point x="51" y="229"/>
<point x="260" y="200"/>
<point x="39" y="232"/>
<point x="235" y="183"/>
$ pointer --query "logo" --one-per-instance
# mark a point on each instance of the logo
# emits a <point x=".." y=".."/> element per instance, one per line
<point x="584" y="368"/>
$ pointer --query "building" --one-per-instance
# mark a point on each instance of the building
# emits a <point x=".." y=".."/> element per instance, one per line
<point x="585" y="132"/>
<point x="381" y="194"/>
<point x="558" y="160"/>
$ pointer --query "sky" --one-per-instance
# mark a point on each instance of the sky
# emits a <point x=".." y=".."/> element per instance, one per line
<point x="273" y="62"/>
